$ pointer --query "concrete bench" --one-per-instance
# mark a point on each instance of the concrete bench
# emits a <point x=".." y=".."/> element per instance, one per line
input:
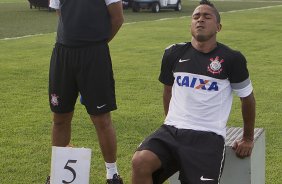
<point x="250" y="170"/>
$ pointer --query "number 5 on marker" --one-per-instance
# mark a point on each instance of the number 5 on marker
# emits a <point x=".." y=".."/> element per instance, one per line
<point x="71" y="170"/>
<point x="70" y="165"/>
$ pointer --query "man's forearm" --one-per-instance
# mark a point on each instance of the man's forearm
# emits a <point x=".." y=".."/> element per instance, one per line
<point x="166" y="98"/>
<point x="248" y="113"/>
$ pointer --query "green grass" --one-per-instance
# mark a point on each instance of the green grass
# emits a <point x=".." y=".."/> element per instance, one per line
<point x="17" y="19"/>
<point x="25" y="117"/>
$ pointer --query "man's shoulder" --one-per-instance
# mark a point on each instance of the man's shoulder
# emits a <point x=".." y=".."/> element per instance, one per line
<point x="228" y="49"/>
<point x="177" y="47"/>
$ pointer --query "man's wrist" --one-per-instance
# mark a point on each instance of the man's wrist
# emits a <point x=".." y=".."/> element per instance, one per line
<point x="248" y="139"/>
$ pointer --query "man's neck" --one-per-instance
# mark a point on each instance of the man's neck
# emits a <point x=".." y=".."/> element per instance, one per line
<point x="204" y="47"/>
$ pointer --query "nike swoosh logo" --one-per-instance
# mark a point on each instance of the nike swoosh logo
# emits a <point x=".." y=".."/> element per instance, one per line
<point x="206" y="179"/>
<point x="99" y="107"/>
<point x="183" y="60"/>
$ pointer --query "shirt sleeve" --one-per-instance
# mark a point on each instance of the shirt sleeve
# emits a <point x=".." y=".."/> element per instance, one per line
<point x="239" y="76"/>
<point x="54" y="4"/>
<point x="166" y="75"/>
<point x="108" y="2"/>
<point x="242" y="89"/>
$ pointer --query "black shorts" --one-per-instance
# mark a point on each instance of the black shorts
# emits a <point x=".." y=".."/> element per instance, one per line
<point x="197" y="155"/>
<point x="85" y="70"/>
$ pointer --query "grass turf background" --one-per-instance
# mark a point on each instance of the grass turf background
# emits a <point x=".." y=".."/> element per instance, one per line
<point x="136" y="52"/>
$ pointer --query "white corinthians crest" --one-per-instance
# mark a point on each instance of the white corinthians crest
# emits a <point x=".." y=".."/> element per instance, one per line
<point x="54" y="100"/>
<point x="215" y="65"/>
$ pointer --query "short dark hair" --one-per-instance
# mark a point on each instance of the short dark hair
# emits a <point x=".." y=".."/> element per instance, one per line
<point x="207" y="2"/>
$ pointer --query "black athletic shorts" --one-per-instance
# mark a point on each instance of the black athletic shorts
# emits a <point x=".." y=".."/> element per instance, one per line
<point x="197" y="155"/>
<point x="85" y="70"/>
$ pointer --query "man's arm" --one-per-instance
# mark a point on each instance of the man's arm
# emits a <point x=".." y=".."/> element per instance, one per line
<point x="116" y="13"/>
<point x="166" y="97"/>
<point x="243" y="148"/>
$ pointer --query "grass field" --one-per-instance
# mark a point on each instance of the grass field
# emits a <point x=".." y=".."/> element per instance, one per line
<point x="25" y="118"/>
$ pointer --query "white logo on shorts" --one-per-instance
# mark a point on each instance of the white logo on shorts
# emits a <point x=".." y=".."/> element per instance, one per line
<point x="205" y="179"/>
<point x="100" y="107"/>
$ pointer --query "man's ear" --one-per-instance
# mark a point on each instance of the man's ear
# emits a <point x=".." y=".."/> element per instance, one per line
<point x="219" y="26"/>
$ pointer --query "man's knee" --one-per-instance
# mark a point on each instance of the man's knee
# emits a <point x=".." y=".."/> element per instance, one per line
<point x="62" y="118"/>
<point x="102" y="121"/>
<point x="145" y="162"/>
<point x="136" y="161"/>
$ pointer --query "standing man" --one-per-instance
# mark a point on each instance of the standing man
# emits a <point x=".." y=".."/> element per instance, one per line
<point x="81" y="63"/>
<point x="198" y="77"/>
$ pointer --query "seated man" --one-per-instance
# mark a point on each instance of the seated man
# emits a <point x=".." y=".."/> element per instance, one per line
<point x="198" y="77"/>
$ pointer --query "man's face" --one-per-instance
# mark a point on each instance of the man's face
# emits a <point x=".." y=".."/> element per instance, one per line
<point x="204" y="24"/>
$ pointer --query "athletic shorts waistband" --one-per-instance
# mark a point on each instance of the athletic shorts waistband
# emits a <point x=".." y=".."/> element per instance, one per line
<point x="81" y="45"/>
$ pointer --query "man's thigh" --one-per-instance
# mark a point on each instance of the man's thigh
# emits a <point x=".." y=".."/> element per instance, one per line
<point x="201" y="157"/>
<point x="162" y="142"/>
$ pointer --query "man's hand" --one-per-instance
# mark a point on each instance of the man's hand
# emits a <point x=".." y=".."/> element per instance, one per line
<point x="243" y="148"/>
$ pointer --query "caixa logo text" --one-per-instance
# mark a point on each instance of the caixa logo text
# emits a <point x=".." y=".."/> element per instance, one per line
<point x="196" y="83"/>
